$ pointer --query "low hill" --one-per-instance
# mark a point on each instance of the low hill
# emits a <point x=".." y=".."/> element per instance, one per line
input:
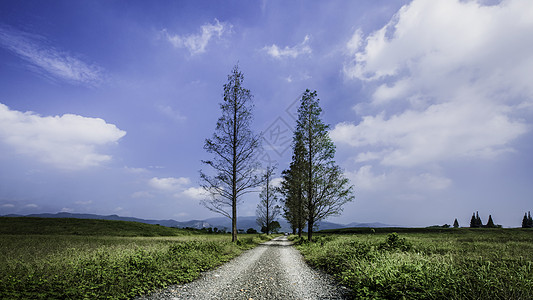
<point x="243" y="222"/>
<point x="94" y="227"/>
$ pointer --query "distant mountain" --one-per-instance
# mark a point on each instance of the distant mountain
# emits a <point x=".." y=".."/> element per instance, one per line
<point x="220" y="222"/>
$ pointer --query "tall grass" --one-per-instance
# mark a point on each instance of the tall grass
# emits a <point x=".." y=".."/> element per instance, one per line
<point x="484" y="264"/>
<point x="58" y="266"/>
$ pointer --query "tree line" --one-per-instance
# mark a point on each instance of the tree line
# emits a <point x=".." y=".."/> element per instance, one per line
<point x="475" y="222"/>
<point x="312" y="188"/>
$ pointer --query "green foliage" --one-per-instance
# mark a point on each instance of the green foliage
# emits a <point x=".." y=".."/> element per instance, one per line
<point x="60" y="266"/>
<point x="395" y="242"/>
<point x="451" y="264"/>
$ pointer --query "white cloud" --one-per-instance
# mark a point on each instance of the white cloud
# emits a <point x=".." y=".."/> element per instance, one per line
<point x="134" y="170"/>
<point x="197" y="193"/>
<point x="450" y="75"/>
<point x="171" y="113"/>
<point x="429" y="181"/>
<point x="8" y="205"/>
<point x="441" y="132"/>
<point x="31" y="205"/>
<point x="197" y="43"/>
<point x="48" y="60"/>
<point x="301" y="49"/>
<point x="67" y="142"/>
<point x="365" y="179"/>
<point x="169" y="183"/>
<point x="175" y="187"/>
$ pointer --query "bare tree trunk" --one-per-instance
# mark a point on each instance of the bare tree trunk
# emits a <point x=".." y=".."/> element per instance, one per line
<point x="234" y="179"/>
<point x="234" y="223"/>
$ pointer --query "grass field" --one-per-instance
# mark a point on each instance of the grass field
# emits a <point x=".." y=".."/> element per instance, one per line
<point x="97" y="259"/>
<point x="428" y="264"/>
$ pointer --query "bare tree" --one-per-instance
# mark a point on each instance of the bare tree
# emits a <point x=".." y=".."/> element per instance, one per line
<point x="233" y="145"/>
<point x="267" y="210"/>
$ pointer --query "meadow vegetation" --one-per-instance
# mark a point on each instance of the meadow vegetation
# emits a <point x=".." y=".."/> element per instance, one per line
<point x="428" y="264"/>
<point x="95" y="259"/>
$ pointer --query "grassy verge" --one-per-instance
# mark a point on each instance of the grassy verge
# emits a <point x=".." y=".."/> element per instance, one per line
<point x="457" y="264"/>
<point x="62" y="266"/>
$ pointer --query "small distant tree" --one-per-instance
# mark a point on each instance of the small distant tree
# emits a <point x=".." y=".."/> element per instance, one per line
<point x="476" y="222"/>
<point x="267" y="210"/>
<point x="251" y="231"/>
<point x="275" y="226"/>
<point x="479" y="223"/>
<point x="490" y="223"/>
<point x="473" y="221"/>
<point x="455" y="223"/>
<point x="527" y="222"/>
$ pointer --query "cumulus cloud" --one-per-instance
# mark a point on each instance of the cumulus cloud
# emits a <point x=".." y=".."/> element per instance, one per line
<point x="441" y="132"/>
<point x="197" y="43"/>
<point x="47" y="60"/>
<point x="365" y="179"/>
<point x="169" y="183"/>
<point x="175" y="187"/>
<point x="279" y="53"/>
<point x="197" y="193"/>
<point x="67" y="142"/>
<point x="450" y="77"/>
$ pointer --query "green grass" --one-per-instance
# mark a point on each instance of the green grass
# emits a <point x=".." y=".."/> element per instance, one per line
<point x="450" y="264"/>
<point x="67" y="226"/>
<point x="42" y="259"/>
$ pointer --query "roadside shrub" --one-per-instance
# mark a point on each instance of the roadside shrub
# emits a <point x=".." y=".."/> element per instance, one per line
<point x="395" y="242"/>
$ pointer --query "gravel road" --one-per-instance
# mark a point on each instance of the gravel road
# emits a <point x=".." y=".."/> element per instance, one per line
<point x="273" y="270"/>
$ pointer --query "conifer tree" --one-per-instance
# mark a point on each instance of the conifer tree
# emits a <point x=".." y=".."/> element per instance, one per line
<point x="455" y="223"/>
<point x="529" y="220"/>
<point x="233" y="146"/>
<point x="490" y="223"/>
<point x="292" y="188"/>
<point x="525" y="221"/>
<point x="479" y="223"/>
<point x="326" y="189"/>
<point x="473" y="221"/>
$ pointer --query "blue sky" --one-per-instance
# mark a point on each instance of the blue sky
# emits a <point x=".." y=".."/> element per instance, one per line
<point x="105" y="105"/>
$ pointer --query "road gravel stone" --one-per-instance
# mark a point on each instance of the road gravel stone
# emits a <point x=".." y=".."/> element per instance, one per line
<point x="272" y="270"/>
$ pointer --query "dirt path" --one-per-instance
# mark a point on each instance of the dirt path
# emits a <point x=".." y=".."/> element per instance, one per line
<point x="273" y="270"/>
